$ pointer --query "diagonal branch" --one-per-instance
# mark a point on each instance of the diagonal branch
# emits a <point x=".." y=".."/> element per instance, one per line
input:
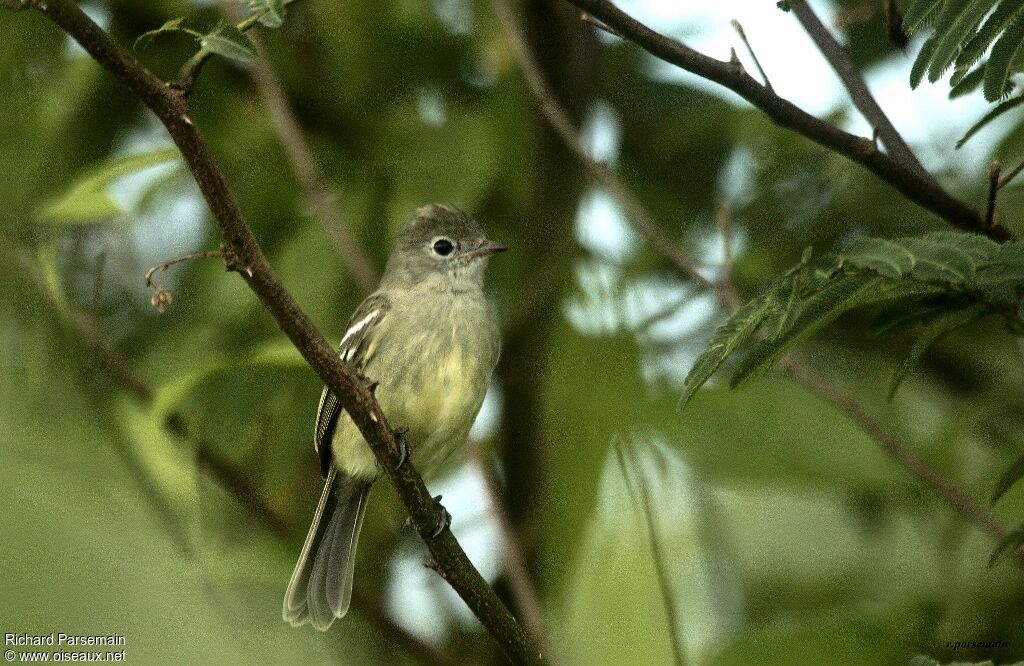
<point x="319" y="195"/>
<point x="943" y="487"/>
<point x="120" y="369"/>
<point x="923" y="191"/>
<point x="355" y="394"/>
<point x="565" y="128"/>
<point x="854" y="82"/>
<point x="355" y="258"/>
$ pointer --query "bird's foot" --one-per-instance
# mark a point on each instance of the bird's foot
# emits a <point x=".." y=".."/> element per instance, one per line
<point x="403" y="446"/>
<point x="444" y="523"/>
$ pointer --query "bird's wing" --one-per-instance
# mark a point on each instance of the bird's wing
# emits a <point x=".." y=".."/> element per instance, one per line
<point x="356" y="350"/>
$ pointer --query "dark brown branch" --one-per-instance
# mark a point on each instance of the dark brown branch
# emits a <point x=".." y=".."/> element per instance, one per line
<point x="354" y="394"/>
<point x="224" y="474"/>
<point x="854" y="83"/>
<point x="901" y="452"/>
<point x="923" y="191"/>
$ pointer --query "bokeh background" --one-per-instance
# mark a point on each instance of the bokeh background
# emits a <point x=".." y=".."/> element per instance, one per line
<point x="167" y="501"/>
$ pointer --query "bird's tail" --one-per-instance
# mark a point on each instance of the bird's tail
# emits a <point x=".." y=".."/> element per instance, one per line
<point x="321" y="586"/>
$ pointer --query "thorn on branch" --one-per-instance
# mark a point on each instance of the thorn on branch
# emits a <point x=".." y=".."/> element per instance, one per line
<point x="587" y="18"/>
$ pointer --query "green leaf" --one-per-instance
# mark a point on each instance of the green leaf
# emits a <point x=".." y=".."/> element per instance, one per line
<point x="920" y="14"/>
<point x="999" y="110"/>
<point x="958" y="21"/>
<point x="1006" y="268"/>
<point x="146" y="38"/>
<point x="733" y="333"/>
<point x="996" y="23"/>
<point x="788" y="296"/>
<point x="280" y="354"/>
<point x="87" y="200"/>
<point x="1011" y="476"/>
<point x="1005" y="51"/>
<point x="880" y="255"/>
<point x="819" y="310"/>
<point x="228" y="41"/>
<point x="923" y="58"/>
<point x="980" y="248"/>
<point x="271" y="11"/>
<point x="930" y="335"/>
<point x="903" y="316"/>
<point x="1006" y="546"/>
<point x="937" y="259"/>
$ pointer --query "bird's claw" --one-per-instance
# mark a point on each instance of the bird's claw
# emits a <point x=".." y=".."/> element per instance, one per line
<point x="445" y="521"/>
<point x="403" y="446"/>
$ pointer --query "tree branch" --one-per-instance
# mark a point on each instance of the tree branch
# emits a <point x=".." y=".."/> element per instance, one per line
<point x="318" y="193"/>
<point x="515" y="563"/>
<point x="120" y="369"/>
<point x="944" y="487"/>
<point x="901" y="452"/>
<point x="923" y="191"/>
<point x="852" y="79"/>
<point x="355" y="394"/>
<point x="565" y="128"/>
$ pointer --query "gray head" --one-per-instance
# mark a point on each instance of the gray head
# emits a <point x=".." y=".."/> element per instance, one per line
<point x="441" y="247"/>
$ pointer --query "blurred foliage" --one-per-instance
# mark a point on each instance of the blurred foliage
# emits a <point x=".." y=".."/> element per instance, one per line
<point x="788" y="535"/>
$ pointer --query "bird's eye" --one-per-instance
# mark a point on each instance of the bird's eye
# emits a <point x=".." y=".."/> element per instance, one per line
<point x="443" y="247"/>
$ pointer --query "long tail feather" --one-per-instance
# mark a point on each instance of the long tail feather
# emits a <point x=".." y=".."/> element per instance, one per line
<point x="320" y="589"/>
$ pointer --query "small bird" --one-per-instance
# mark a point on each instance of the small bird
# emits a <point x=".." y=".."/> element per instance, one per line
<point x="428" y="338"/>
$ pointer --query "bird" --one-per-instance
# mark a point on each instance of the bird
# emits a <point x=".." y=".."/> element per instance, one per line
<point x="428" y="339"/>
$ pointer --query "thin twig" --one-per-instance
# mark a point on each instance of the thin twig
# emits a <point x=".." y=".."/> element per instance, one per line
<point x="1010" y="175"/>
<point x="321" y="198"/>
<point x="119" y="368"/>
<point x="161" y="297"/>
<point x="563" y="125"/>
<point x="587" y="18"/>
<point x="920" y="189"/>
<point x="993" y="190"/>
<point x="189" y="72"/>
<point x="943" y="486"/>
<point x="854" y="83"/>
<point x="900" y="451"/>
<point x="657" y="554"/>
<point x="738" y="27"/>
<point x="164" y="265"/>
<point x="354" y="394"/>
<point x="521" y="583"/>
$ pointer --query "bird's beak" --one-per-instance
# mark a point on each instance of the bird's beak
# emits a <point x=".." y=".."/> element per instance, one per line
<point x="486" y="249"/>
